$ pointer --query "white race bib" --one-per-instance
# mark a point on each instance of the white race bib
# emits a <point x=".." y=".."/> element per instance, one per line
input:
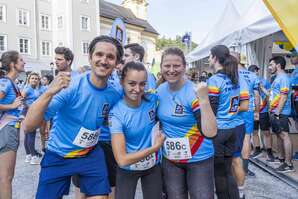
<point x="177" y="148"/>
<point x="144" y="164"/>
<point x="86" y="138"/>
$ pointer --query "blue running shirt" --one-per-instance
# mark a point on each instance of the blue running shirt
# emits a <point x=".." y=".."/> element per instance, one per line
<point x="264" y="100"/>
<point x="281" y="85"/>
<point x="6" y="87"/>
<point x="32" y="94"/>
<point x="253" y="83"/>
<point x="176" y="113"/>
<point x="229" y="96"/>
<point x="114" y="81"/>
<point x="79" y="111"/>
<point x="151" y="82"/>
<point x="136" y="125"/>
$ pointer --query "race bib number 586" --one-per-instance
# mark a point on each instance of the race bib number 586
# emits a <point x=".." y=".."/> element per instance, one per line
<point x="146" y="163"/>
<point x="177" y="148"/>
<point x="86" y="138"/>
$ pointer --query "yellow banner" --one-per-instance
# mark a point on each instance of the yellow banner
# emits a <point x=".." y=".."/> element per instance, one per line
<point x="285" y="13"/>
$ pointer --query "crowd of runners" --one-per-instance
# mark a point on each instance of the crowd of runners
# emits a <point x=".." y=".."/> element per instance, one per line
<point x="113" y="123"/>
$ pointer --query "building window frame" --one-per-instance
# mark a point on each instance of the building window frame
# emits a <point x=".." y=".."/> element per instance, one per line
<point x="3" y="44"/>
<point x="85" y="47"/>
<point x="46" y="48"/>
<point x="23" y="17"/>
<point x="85" y="23"/>
<point x="45" y="22"/>
<point x="3" y="13"/>
<point x="24" y="45"/>
<point x="60" y="23"/>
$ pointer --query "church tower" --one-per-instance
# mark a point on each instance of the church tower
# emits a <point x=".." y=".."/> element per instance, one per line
<point x="138" y="7"/>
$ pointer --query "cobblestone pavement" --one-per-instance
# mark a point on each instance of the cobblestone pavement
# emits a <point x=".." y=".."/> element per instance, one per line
<point x="263" y="186"/>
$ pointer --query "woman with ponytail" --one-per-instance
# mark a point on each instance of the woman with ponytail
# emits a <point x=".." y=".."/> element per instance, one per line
<point x="226" y="93"/>
<point x="11" y="100"/>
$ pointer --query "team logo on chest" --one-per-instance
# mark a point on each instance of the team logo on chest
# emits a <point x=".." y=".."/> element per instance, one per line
<point x="105" y="110"/>
<point x="151" y="114"/>
<point x="179" y="110"/>
<point x="105" y="114"/>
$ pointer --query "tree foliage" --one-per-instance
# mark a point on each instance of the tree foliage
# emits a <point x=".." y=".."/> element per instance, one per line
<point x="164" y="42"/>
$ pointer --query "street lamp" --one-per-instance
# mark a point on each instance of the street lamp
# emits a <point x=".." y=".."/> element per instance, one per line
<point x="52" y="68"/>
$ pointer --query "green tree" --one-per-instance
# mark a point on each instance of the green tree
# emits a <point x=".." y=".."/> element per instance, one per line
<point x="164" y="42"/>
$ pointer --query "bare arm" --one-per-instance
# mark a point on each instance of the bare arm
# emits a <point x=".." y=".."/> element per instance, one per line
<point x="282" y="101"/>
<point x="36" y="111"/>
<point x="244" y="104"/>
<point x="5" y="107"/>
<point x="257" y="101"/>
<point x="264" y="90"/>
<point x="123" y="158"/>
<point x="207" y="118"/>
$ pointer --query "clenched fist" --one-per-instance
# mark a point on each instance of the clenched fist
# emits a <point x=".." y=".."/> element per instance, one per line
<point x="202" y="91"/>
<point x="61" y="81"/>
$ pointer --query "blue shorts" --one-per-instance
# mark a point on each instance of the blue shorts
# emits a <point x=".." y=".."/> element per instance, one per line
<point x="56" y="172"/>
<point x="239" y="141"/>
<point x="248" y="118"/>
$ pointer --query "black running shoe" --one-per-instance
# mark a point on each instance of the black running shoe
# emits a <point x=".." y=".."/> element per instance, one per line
<point x="257" y="154"/>
<point x="272" y="159"/>
<point x="250" y="173"/>
<point x="285" y="168"/>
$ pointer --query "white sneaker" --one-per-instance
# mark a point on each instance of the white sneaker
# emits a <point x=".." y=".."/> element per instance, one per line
<point x="35" y="160"/>
<point x="28" y="158"/>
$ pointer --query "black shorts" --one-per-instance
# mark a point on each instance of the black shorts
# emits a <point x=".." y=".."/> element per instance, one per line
<point x="224" y="142"/>
<point x="263" y="123"/>
<point x="111" y="165"/>
<point x="281" y="124"/>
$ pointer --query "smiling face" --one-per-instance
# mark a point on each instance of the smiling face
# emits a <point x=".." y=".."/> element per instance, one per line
<point x="172" y="68"/>
<point x="104" y="59"/>
<point x="134" y="84"/>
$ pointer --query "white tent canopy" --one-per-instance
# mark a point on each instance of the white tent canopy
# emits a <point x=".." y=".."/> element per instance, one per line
<point x="234" y="29"/>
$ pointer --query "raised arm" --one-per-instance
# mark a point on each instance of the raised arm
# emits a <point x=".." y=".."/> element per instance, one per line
<point x="205" y="117"/>
<point x="36" y="111"/>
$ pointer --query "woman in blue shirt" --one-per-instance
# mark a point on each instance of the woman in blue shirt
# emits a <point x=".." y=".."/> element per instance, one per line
<point x="227" y="92"/>
<point x="132" y="127"/>
<point x="188" y="121"/>
<point x="31" y="92"/>
<point x="12" y="64"/>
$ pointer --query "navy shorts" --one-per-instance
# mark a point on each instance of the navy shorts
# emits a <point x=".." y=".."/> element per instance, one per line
<point x="56" y="172"/>
<point x="239" y="141"/>
<point x="111" y="164"/>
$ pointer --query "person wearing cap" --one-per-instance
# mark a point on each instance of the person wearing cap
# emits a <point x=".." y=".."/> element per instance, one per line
<point x="263" y="123"/>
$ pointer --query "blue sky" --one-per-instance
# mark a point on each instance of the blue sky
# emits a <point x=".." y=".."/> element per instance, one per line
<point x="175" y="17"/>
